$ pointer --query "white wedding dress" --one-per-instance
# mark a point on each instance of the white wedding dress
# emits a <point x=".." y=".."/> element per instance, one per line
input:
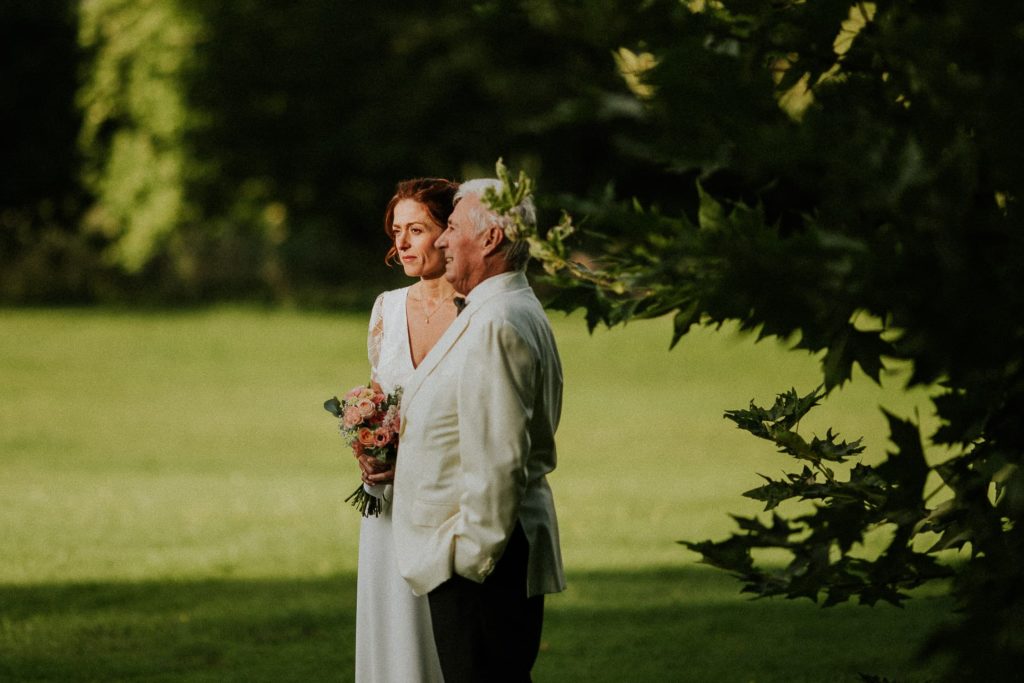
<point x="394" y="640"/>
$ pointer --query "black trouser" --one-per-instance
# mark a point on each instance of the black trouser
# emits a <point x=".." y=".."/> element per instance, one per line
<point x="489" y="631"/>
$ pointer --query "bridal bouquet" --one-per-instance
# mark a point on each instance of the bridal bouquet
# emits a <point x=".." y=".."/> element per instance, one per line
<point x="369" y="421"/>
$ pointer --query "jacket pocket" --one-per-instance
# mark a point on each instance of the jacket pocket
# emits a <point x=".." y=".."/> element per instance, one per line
<point x="431" y="513"/>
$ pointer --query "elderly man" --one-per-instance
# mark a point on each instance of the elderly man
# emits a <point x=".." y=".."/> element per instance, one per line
<point x="474" y="518"/>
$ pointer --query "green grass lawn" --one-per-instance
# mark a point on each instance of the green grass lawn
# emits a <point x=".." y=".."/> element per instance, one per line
<point x="171" y="504"/>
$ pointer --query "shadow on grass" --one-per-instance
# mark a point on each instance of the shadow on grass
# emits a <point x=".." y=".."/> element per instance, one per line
<point x="686" y="624"/>
<point x="207" y="630"/>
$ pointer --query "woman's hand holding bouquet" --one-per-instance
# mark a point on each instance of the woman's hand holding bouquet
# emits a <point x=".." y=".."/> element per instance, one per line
<point x="369" y="422"/>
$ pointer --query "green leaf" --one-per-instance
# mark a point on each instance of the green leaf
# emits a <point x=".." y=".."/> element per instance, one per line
<point x="792" y="444"/>
<point x="711" y="215"/>
<point x="333" y="406"/>
<point x="851" y="346"/>
<point x="732" y="554"/>
<point x="835" y="451"/>
<point x="906" y="470"/>
<point x="772" y="493"/>
<point x="955" y="535"/>
<point x="683" y="320"/>
<point x="774" y="422"/>
<point x="964" y="418"/>
<point x="776" y="535"/>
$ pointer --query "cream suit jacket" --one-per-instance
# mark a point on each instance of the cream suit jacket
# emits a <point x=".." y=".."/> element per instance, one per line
<point x="477" y="440"/>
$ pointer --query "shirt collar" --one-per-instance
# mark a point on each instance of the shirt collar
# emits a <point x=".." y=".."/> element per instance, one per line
<point x="513" y="279"/>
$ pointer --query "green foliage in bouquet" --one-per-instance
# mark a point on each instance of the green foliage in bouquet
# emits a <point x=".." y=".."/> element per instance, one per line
<point x="369" y="421"/>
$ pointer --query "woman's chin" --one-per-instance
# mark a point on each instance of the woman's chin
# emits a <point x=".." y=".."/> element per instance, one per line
<point x="432" y="274"/>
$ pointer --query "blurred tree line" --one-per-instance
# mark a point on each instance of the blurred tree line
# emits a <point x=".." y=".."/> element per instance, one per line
<point x="182" y="150"/>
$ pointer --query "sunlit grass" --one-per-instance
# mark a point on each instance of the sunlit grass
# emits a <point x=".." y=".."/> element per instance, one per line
<point x="168" y="478"/>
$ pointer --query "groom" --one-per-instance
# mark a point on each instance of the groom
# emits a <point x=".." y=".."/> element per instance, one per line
<point x="474" y="520"/>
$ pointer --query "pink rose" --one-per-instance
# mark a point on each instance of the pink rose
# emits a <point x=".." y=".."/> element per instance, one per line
<point x="355" y="392"/>
<point x="366" y="407"/>
<point x="352" y="416"/>
<point x="378" y="398"/>
<point x="365" y="436"/>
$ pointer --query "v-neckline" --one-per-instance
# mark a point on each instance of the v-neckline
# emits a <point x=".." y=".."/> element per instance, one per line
<point x="408" y="330"/>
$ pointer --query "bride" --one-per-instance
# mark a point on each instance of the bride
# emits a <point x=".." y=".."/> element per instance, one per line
<point x="394" y="641"/>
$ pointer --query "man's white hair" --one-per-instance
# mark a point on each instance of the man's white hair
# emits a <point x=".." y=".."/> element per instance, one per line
<point x="517" y="251"/>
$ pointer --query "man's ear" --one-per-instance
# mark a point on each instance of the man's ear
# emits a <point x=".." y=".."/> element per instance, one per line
<point x="493" y="237"/>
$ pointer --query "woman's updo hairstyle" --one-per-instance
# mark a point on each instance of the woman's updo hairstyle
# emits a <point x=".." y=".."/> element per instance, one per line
<point x="435" y="194"/>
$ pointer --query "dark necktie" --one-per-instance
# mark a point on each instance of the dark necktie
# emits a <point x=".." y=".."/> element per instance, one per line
<point x="460" y="303"/>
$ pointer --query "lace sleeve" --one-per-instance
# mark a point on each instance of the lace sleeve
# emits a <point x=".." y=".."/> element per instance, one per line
<point x="375" y="336"/>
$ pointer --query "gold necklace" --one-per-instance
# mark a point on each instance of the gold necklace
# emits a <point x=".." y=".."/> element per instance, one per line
<point x="428" y="316"/>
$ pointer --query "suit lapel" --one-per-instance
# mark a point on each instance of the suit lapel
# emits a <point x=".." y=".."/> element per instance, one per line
<point x="434" y="356"/>
<point x="455" y="331"/>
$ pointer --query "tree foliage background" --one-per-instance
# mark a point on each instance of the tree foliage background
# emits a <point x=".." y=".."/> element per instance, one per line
<point x="843" y="174"/>
<point x="246" y="150"/>
<point x="857" y="191"/>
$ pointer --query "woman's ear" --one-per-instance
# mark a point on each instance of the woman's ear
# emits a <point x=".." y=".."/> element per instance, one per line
<point x="493" y="237"/>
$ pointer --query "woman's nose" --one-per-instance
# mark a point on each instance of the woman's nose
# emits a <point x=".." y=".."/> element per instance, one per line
<point x="401" y="240"/>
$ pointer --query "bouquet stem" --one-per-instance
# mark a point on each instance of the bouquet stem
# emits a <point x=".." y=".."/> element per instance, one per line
<point x="368" y="506"/>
